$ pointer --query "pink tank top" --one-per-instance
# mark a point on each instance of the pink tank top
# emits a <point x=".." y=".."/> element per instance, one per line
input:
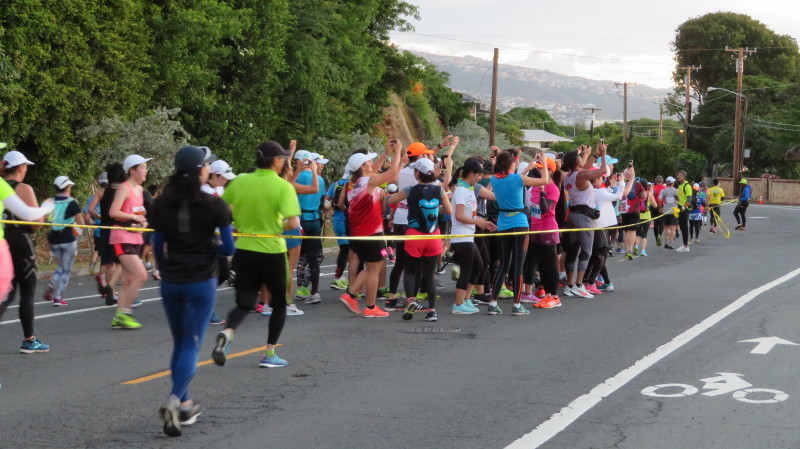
<point x="134" y="204"/>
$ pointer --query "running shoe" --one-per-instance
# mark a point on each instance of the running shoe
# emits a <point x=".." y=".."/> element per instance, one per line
<point x="313" y="299"/>
<point x="606" y="287"/>
<point x="494" y="310"/>
<point x="110" y="301"/>
<point x="350" y="303"/>
<point x="658" y="240"/>
<point x="422" y="295"/>
<point x="258" y="308"/>
<point x="170" y="416"/>
<point x="216" y="319"/>
<point x="272" y="362"/>
<point x="231" y="278"/>
<point x="635" y="250"/>
<point x="481" y="299"/>
<point x="519" y="310"/>
<point x="527" y="298"/>
<point x="375" y="312"/>
<point x="156" y="275"/>
<point x="463" y="309"/>
<point x="266" y="311"/>
<point x="550" y="302"/>
<point x="629" y="256"/>
<point x="292" y="310"/>
<point x="189" y="416"/>
<point x="592" y="289"/>
<point x="383" y="294"/>
<point x="455" y="272"/>
<point x="440" y="270"/>
<point x="506" y="293"/>
<point x="431" y="316"/>
<point x="738" y="227"/>
<point x="644" y="253"/>
<point x="581" y="292"/>
<point x="124" y="321"/>
<point x="410" y="309"/>
<point x="713" y="230"/>
<point x="395" y="304"/>
<point x="469" y="304"/>
<point x="148" y="266"/>
<point x="33" y="346"/>
<point x="49" y="293"/>
<point x="569" y="292"/>
<point x="100" y="287"/>
<point x="682" y="249"/>
<point x="136" y="303"/>
<point x="620" y="251"/>
<point x="340" y="284"/>
<point x="59" y="302"/>
<point x="302" y="293"/>
<point x="221" y="347"/>
<point x="540" y="293"/>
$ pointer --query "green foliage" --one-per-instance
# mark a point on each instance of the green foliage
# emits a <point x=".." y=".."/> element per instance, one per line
<point x="338" y="151"/>
<point x="157" y="136"/>
<point x="693" y="163"/>
<point x="430" y="120"/>
<point x="474" y="141"/>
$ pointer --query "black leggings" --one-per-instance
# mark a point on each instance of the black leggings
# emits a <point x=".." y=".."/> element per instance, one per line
<point x="547" y="261"/>
<point x="399" y="261"/>
<point x="599" y="255"/>
<point x="493" y="251"/>
<point x="511" y="259"/>
<point x="741" y="208"/>
<point x="468" y="258"/>
<point x="254" y="269"/>
<point x="420" y="273"/>
<point x="530" y="266"/>
<point x="341" y="259"/>
<point x="694" y="228"/>
<point x="311" y="256"/>
<point x="713" y="210"/>
<point x="683" y="223"/>
<point x="24" y="257"/>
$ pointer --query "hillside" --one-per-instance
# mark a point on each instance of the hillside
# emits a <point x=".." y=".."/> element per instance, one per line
<point x="564" y="97"/>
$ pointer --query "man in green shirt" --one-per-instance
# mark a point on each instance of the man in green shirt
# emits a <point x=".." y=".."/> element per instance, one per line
<point x="685" y="193"/>
<point x="262" y="203"/>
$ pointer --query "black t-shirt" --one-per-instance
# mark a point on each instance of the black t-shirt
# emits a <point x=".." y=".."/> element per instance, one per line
<point x="189" y="256"/>
<point x="65" y="235"/>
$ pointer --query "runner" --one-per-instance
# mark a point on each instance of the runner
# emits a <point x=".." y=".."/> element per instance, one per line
<point x="186" y="220"/>
<point x="509" y="188"/>
<point x="262" y="203"/>
<point x="696" y="214"/>
<point x="544" y="245"/>
<point x="363" y="196"/>
<point x="311" y="220"/>
<point x="715" y="197"/>
<point x="466" y="253"/>
<point x="685" y="205"/>
<point x="22" y="250"/>
<point x="741" y="206"/>
<point x="128" y="210"/>
<point x="63" y="244"/>
<point x="339" y="222"/>
<point x="219" y="174"/>
<point x="648" y="204"/>
<point x="110" y="265"/>
<point x="658" y="224"/>
<point x="582" y="215"/>
<point x="94" y="218"/>
<point x="424" y="200"/>
<point x="605" y="197"/>
<point x="635" y="203"/>
<point x="668" y="200"/>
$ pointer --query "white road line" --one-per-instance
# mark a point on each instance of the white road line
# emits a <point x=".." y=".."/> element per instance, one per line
<point x="96" y="296"/>
<point x="569" y="414"/>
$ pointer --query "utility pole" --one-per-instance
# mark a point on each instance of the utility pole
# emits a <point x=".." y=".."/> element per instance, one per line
<point x="660" y="121"/>
<point x="737" y="134"/>
<point x="688" y="112"/>
<point x="493" y="115"/>
<point x="625" y="109"/>
<point x="591" y="125"/>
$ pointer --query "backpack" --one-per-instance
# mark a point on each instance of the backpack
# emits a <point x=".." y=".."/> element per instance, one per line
<point x="57" y="216"/>
<point x="423" y="207"/>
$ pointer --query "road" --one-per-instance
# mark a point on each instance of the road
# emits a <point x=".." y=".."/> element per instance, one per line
<point x="561" y="378"/>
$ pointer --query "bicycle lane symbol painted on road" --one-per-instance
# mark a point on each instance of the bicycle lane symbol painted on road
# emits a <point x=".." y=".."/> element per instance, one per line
<point x="722" y="384"/>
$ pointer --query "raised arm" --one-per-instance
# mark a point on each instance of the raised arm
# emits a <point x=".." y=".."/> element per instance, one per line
<point x="390" y="175"/>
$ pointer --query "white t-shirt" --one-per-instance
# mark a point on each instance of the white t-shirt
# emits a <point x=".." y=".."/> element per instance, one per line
<point x="404" y="179"/>
<point x="466" y="197"/>
<point x="217" y="191"/>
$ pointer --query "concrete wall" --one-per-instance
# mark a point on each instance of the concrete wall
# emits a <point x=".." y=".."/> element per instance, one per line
<point x="781" y="191"/>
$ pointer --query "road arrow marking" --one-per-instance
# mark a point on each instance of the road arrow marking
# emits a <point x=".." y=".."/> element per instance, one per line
<point x="765" y="344"/>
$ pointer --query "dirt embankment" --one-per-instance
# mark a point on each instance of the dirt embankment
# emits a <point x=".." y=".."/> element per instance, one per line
<point x="400" y="122"/>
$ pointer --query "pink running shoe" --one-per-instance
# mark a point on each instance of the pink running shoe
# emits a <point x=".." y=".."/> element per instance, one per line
<point x="59" y="302"/>
<point x="528" y="298"/>
<point x="258" y="308"/>
<point x="592" y="289"/>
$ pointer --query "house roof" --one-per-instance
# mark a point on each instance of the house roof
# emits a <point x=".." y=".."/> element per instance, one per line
<point x="540" y="135"/>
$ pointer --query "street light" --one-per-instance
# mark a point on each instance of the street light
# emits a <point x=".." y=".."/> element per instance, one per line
<point x="738" y="138"/>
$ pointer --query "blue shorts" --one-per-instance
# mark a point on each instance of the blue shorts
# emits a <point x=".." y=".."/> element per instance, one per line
<point x="340" y="230"/>
<point x="293" y="243"/>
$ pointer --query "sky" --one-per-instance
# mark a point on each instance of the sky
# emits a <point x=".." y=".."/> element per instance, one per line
<point x="624" y="41"/>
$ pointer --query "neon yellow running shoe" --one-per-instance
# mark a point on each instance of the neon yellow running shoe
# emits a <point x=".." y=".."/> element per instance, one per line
<point x="505" y="293"/>
<point x="124" y="321"/>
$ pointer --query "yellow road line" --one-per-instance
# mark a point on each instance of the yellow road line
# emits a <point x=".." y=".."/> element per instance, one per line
<point x="199" y="364"/>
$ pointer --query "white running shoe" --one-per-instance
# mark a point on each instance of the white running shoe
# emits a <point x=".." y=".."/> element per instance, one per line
<point x="569" y="291"/>
<point x="682" y="249"/>
<point x="582" y="292"/>
<point x="313" y="299"/>
<point x="292" y="310"/>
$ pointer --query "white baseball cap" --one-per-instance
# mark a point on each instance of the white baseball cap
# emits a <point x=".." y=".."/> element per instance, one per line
<point x="222" y="168"/>
<point x="134" y="160"/>
<point x="357" y="160"/>
<point x="670" y="179"/>
<point x="423" y="165"/>
<point x="316" y="157"/>
<point x="103" y="178"/>
<point x="62" y="182"/>
<point x="302" y="154"/>
<point x="14" y="158"/>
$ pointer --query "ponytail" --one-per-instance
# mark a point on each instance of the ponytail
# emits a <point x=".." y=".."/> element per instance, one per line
<point x="458" y="174"/>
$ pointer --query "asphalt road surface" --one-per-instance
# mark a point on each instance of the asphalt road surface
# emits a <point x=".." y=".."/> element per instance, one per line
<point x="659" y="363"/>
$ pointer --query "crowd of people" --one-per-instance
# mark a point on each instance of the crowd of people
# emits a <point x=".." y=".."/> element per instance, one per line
<point x="531" y="232"/>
